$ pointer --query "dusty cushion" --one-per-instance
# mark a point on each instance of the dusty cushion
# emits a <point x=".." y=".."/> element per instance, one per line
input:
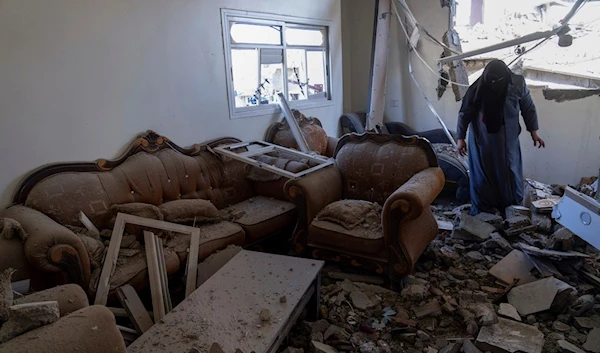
<point x="352" y="213"/>
<point x="70" y="298"/>
<point x="261" y="216"/>
<point x="360" y="241"/>
<point x="186" y="211"/>
<point x="213" y="237"/>
<point x="139" y="209"/>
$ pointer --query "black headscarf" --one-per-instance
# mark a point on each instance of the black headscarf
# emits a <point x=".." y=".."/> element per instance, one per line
<point x="488" y="95"/>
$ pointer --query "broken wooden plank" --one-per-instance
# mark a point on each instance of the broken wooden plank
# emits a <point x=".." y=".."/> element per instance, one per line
<point x="158" y="302"/>
<point x="135" y="309"/>
<point x="88" y="224"/>
<point x="192" y="264"/>
<point x="163" y="274"/>
<point x="110" y="261"/>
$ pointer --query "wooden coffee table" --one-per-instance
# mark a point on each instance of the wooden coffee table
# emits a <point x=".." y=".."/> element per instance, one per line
<point x="227" y="308"/>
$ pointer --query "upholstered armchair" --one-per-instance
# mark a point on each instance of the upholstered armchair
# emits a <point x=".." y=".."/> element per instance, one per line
<point x="315" y="135"/>
<point x="371" y="209"/>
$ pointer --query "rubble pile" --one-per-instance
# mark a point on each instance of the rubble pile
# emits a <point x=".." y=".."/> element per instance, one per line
<point x="510" y="282"/>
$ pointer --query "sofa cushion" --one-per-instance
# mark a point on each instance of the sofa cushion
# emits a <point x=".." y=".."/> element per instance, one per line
<point x="366" y="241"/>
<point x="351" y="213"/>
<point x="213" y="237"/>
<point x="259" y="216"/>
<point x="70" y="298"/>
<point x="188" y="211"/>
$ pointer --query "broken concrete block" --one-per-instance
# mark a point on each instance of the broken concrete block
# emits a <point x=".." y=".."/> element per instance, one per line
<point x="469" y="347"/>
<point x="474" y="256"/>
<point x="533" y="297"/>
<point x="560" y="326"/>
<point x="451" y="348"/>
<point x="473" y="228"/>
<point x="585" y="323"/>
<point x="484" y="313"/>
<point x="509" y="311"/>
<point x="563" y="240"/>
<point x="517" y="225"/>
<point x="567" y="347"/>
<point x="348" y="286"/>
<point x="542" y="222"/>
<point x="510" y="336"/>
<point x="430" y="308"/>
<point x="317" y="337"/>
<point x="514" y="211"/>
<point x="592" y="343"/>
<point x="293" y="350"/>
<point x="455" y="272"/>
<point x="498" y="242"/>
<point x="322" y="348"/>
<point x="513" y="266"/>
<point x="26" y="317"/>
<point x="414" y="292"/>
<point x="336" y="332"/>
<point x="360" y="300"/>
<point x="319" y="326"/>
<point x="492" y="219"/>
<point x="265" y="315"/>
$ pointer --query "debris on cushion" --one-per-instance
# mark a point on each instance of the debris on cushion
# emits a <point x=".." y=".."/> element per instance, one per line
<point x="190" y="211"/>
<point x="6" y="293"/>
<point x="262" y="175"/>
<point x="351" y="214"/>
<point x="139" y="209"/>
<point x="10" y="228"/>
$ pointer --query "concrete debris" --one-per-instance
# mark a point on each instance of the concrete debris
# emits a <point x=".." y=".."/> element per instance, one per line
<point x="592" y="342"/>
<point x="510" y="336"/>
<point x="563" y="240"/>
<point x="430" y="308"/>
<point x="515" y="265"/>
<point x="26" y="317"/>
<point x="474" y="256"/>
<point x="293" y="350"/>
<point x="348" y="286"/>
<point x="542" y="222"/>
<point x="320" y="326"/>
<point x="472" y="228"/>
<point x="451" y="348"/>
<point x="265" y="315"/>
<point x="492" y="219"/>
<point x="508" y="311"/>
<point x="469" y="347"/>
<point x="322" y="348"/>
<point x="514" y="211"/>
<point x="586" y="323"/>
<point x="560" y="326"/>
<point x="533" y="297"/>
<point x="414" y="292"/>
<point x="360" y="300"/>
<point x="567" y="347"/>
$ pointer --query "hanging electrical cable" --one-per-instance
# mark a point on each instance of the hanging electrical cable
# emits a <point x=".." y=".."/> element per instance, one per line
<point x="414" y="49"/>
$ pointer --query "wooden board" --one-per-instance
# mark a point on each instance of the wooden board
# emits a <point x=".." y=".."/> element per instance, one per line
<point x="162" y="270"/>
<point x="87" y="223"/>
<point x="192" y="265"/>
<point x="158" y="303"/>
<point x="110" y="260"/>
<point x="115" y="243"/>
<point x="135" y="309"/>
<point x="226" y="308"/>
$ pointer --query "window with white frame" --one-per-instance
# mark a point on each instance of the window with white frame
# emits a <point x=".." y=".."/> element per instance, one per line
<point x="267" y="55"/>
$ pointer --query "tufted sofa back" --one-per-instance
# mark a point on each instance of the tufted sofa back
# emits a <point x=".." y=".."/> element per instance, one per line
<point x="373" y="166"/>
<point x="152" y="178"/>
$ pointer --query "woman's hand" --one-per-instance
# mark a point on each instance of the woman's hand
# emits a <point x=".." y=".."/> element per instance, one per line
<point x="537" y="141"/>
<point x="461" y="146"/>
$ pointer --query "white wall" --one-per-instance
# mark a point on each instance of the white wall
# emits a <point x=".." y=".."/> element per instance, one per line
<point x="80" y="78"/>
<point x="571" y="129"/>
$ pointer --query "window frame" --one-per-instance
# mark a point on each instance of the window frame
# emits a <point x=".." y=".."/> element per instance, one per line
<point x="228" y="16"/>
